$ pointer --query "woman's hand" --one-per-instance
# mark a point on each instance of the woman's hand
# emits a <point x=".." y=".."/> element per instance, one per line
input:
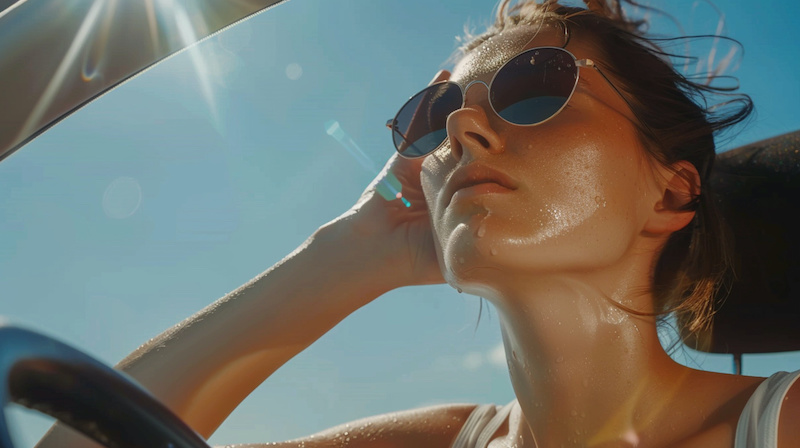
<point x="403" y="242"/>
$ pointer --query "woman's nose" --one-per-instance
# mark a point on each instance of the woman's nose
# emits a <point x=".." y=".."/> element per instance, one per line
<point x="470" y="128"/>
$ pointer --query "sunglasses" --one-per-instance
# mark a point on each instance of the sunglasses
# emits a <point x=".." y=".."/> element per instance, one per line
<point x="531" y="88"/>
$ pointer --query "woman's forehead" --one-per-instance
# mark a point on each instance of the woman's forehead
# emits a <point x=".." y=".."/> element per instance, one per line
<point x="483" y="61"/>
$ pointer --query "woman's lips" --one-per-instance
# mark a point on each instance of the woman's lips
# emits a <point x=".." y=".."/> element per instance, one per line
<point x="478" y="190"/>
<point x="476" y="179"/>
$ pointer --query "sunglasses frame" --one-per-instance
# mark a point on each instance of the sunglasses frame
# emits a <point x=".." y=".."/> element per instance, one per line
<point x="579" y="63"/>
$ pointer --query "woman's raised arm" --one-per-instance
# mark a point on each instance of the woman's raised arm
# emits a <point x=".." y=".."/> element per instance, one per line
<point x="203" y="367"/>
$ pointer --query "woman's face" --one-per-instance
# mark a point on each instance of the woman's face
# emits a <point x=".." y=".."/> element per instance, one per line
<point x="580" y="181"/>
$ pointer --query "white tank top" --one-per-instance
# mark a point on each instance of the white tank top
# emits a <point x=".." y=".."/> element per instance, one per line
<point x="758" y="424"/>
<point x="757" y="427"/>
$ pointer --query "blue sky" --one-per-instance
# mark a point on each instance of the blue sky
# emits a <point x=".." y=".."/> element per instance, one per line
<point x="160" y="197"/>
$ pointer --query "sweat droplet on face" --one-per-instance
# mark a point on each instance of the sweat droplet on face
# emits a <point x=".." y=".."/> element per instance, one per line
<point x="481" y="231"/>
<point x="600" y="201"/>
<point x="493" y="251"/>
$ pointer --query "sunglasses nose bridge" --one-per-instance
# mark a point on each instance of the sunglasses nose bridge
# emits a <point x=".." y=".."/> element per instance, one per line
<point x="465" y="90"/>
<point x="472" y="83"/>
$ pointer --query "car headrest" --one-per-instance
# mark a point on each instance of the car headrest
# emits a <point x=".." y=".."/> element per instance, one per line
<point x="759" y="195"/>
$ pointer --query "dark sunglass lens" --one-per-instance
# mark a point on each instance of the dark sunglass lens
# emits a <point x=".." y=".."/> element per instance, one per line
<point x="534" y="86"/>
<point x="420" y="126"/>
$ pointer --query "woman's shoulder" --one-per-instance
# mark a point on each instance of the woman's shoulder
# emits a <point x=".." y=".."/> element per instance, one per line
<point x="430" y="426"/>
<point x="770" y="412"/>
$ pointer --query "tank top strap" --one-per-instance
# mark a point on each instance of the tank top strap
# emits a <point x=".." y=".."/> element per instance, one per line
<point x="758" y="424"/>
<point x="481" y="425"/>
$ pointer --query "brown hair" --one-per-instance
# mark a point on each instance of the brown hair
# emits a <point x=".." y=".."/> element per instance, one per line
<point x="676" y="123"/>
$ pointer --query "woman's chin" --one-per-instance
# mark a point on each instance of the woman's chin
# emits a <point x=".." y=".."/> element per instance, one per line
<point x="477" y="285"/>
<point x="474" y="264"/>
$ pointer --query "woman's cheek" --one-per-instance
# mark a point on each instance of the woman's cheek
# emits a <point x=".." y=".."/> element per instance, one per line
<point x="573" y="215"/>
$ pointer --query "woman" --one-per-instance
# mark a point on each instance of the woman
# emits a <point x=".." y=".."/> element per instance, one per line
<point x="583" y="216"/>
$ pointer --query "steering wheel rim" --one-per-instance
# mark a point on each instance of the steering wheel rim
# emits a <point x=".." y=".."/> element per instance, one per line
<point x="48" y="376"/>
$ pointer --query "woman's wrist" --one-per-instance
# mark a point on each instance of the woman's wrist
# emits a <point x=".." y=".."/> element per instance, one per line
<point x="358" y="251"/>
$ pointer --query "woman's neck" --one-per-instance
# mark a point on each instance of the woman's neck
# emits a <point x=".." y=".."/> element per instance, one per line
<point x="586" y="372"/>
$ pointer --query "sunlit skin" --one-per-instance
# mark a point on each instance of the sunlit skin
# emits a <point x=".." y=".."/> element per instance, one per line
<point x="579" y="233"/>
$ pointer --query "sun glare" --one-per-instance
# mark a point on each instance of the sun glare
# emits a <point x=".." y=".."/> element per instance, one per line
<point x="102" y="43"/>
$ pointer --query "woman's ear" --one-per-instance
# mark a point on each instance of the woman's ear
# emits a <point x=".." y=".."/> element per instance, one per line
<point x="680" y="188"/>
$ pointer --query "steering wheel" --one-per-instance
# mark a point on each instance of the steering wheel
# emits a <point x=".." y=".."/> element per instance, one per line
<point x="51" y="377"/>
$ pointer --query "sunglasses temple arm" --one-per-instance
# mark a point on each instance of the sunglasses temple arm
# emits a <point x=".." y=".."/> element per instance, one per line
<point x="390" y="124"/>
<point x="647" y="129"/>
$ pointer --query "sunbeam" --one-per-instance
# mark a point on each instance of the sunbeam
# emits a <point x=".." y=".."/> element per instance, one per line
<point x="188" y="32"/>
<point x="64" y="68"/>
<point x="96" y="45"/>
<point x="94" y="54"/>
<point x="153" y="25"/>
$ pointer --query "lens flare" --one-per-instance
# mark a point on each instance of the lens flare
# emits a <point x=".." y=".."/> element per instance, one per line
<point x="389" y="186"/>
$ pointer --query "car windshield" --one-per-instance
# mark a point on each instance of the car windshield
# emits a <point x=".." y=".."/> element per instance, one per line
<point x="193" y="177"/>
